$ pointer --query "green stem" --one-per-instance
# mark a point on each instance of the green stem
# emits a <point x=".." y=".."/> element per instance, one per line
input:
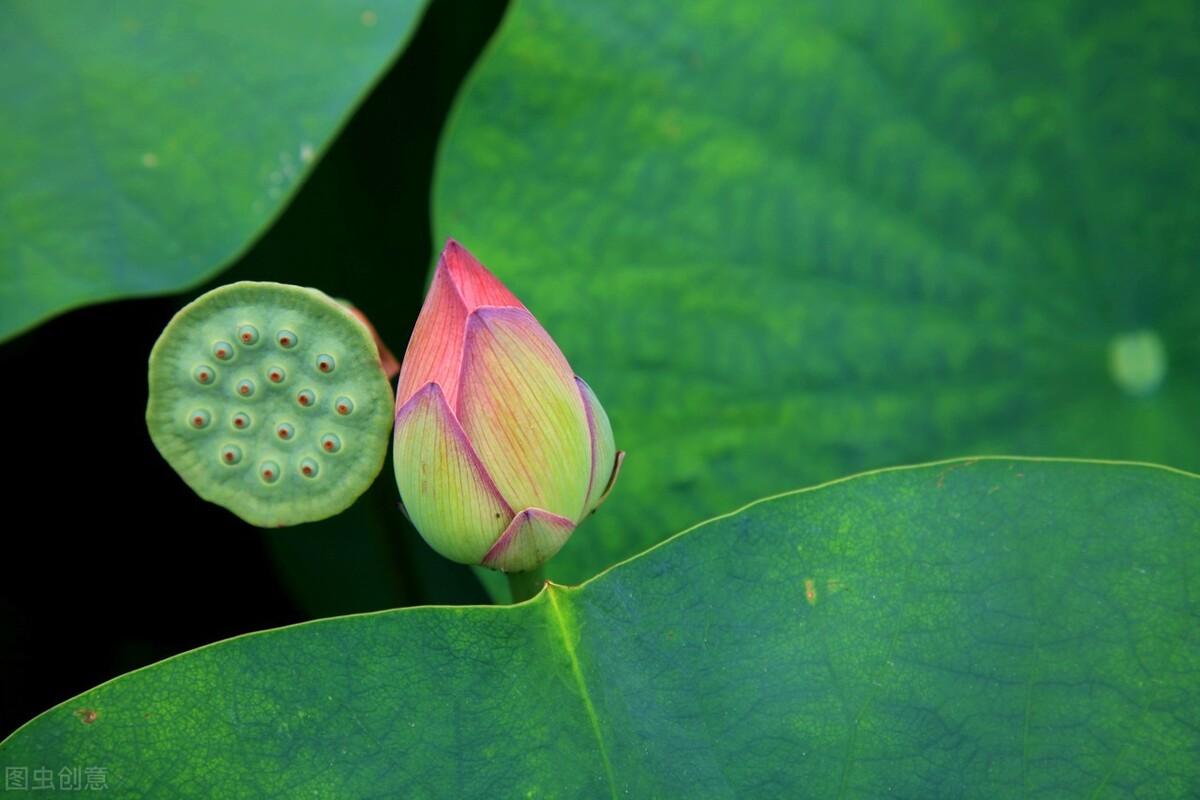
<point x="525" y="585"/>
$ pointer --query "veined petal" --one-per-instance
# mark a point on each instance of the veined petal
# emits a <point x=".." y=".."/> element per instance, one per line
<point x="446" y="491"/>
<point x="434" y="352"/>
<point x="476" y="286"/>
<point x="612" y="479"/>
<point x="533" y="538"/>
<point x="460" y="285"/>
<point x="522" y="412"/>
<point x="605" y="459"/>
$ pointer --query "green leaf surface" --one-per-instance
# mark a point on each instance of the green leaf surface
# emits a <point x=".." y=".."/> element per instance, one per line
<point x="787" y="241"/>
<point x="146" y="144"/>
<point x="976" y="628"/>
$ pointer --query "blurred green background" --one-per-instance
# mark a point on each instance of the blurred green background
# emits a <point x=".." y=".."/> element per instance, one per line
<point x="784" y="242"/>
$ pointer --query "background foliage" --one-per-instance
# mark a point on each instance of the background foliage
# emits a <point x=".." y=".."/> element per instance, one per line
<point x="154" y="141"/>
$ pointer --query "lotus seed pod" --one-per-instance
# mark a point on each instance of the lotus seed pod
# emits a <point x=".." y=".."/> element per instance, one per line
<point x="243" y="382"/>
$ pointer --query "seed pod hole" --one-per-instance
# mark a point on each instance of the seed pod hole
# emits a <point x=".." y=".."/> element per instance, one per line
<point x="276" y="374"/>
<point x="231" y="454"/>
<point x="223" y="350"/>
<point x="268" y="471"/>
<point x="248" y="335"/>
<point x="306" y="398"/>
<point x="325" y="363"/>
<point x="241" y="421"/>
<point x="330" y="443"/>
<point x="204" y="375"/>
<point x="286" y="339"/>
<point x="344" y="405"/>
<point x="245" y="388"/>
<point x="285" y="431"/>
<point x="309" y="468"/>
<point x="199" y="419"/>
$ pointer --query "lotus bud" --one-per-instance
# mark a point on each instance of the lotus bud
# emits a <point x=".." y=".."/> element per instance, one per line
<point x="500" y="450"/>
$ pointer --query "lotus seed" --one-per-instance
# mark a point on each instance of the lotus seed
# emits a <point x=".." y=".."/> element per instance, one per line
<point x="248" y="335"/>
<point x="306" y="398"/>
<point x="223" y="350"/>
<point x="285" y="431"/>
<point x="245" y="388"/>
<point x="231" y="454"/>
<point x="204" y="374"/>
<point x="344" y="405"/>
<point x="330" y="443"/>
<point x="276" y="374"/>
<point x="269" y="471"/>
<point x="241" y="421"/>
<point x="286" y="339"/>
<point x="200" y="419"/>
<point x="309" y="468"/>
<point x="325" y="363"/>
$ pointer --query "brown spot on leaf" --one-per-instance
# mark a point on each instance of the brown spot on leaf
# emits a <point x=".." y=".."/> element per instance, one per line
<point x="86" y="715"/>
<point x="941" y="480"/>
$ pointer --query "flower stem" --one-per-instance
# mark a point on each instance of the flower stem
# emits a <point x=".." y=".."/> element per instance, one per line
<point x="525" y="585"/>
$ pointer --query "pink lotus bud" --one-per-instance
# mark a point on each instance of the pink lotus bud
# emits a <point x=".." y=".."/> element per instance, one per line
<point x="500" y="450"/>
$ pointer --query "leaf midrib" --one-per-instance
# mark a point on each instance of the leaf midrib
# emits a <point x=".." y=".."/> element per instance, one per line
<point x="567" y="630"/>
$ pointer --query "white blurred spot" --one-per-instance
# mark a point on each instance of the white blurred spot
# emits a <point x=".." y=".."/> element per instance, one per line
<point x="306" y="152"/>
<point x="287" y="166"/>
<point x="1137" y="362"/>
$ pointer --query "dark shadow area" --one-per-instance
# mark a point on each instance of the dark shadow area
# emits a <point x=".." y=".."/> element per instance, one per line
<point x="114" y="563"/>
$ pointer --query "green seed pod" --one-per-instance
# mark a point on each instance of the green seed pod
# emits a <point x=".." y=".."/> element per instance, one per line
<point x="239" y="431"/>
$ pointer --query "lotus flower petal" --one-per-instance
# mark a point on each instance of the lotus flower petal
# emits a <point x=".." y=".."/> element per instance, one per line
<point x="491" y="418"/>
<point x="606" y="461"/>
<point x="460" y="285"/>
<point x="391" y="367"/>
<point x="532" y="539"/>
<point x="476" y="286"/>
<point x="521" y="409"/>
<point x="447" y="492"/>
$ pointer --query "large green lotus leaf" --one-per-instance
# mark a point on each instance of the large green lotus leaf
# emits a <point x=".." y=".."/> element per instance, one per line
<point x="786" y="241"/>
<point x="145" y="144"/>
<point x="975" y="629"/>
